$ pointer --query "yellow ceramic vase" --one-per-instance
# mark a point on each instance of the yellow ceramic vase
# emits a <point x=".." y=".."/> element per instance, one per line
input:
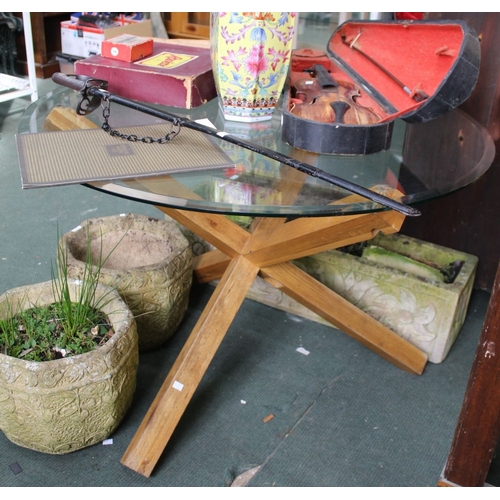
<point x="251" y="54"/>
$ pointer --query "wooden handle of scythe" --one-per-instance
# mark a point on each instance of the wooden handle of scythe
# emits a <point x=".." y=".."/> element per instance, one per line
<point x="75" y="82"/>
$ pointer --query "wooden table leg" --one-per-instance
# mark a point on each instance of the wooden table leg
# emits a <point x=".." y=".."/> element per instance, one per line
<point x="210" y="266"/>
<point x="478" y="427"/>
<point x="269" y="246"/>
<point x="345" y="316"/>
<point x="167" y="408"/>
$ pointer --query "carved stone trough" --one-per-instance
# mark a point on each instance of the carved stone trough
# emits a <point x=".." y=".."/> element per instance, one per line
<point x="396" y="281"/>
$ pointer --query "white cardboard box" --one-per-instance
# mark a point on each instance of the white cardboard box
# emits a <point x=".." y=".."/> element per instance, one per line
<point x="85" y="42"/>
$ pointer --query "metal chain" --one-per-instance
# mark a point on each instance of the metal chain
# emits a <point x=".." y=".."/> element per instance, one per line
<point x="106" y="111"/>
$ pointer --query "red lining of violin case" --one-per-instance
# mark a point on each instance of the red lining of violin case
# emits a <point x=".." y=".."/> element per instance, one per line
<point x="419" y="54"/>
<point x="440" y="58"/>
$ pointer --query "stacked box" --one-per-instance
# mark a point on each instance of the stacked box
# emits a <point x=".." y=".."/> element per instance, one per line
<point x="85" y="41"/>
<point x="127" y="48"/>
<point x="176" y="74"/>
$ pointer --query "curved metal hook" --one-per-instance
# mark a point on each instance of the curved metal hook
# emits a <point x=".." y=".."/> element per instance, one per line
<point x="88" y="103"/>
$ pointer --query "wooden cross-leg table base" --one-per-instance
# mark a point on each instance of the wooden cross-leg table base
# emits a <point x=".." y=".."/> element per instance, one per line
<point x="241" y="255"/>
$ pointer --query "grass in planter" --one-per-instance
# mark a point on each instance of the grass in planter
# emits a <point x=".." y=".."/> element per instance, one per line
<point x="38" y="334"/>
<point x="64" y="328"/>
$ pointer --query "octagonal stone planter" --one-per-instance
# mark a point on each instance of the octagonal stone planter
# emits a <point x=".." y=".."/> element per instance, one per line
<point x="148" y="261"/>
<point x="70" y="403"/>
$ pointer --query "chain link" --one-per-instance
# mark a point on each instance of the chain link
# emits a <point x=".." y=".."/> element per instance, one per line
<point x="106" y="111"/>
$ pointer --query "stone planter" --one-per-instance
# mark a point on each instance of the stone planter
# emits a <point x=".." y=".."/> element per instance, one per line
<point x="149" y="263"/>
<point x="67" y="404"/>
<point x="428" y="312"/>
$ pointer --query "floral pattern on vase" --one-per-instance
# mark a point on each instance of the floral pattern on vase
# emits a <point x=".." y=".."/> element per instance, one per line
<point x="251" y="54"/>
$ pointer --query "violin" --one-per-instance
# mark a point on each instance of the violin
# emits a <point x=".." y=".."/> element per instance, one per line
<point x="321" y="98"/>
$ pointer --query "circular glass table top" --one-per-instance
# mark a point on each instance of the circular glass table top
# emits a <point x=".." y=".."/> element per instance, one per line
<point x="453" y="152"/>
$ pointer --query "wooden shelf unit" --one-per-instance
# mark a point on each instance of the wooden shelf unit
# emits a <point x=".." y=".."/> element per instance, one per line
<point x="46" y="29"/>
<point x="31" y="90"/>
<point x="187" y="24"/>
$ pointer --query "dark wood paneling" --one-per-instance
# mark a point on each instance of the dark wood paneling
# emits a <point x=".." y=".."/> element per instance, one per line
<point x="478" y="426"/>
<point x="46" y="31"/>
<point x="468" y="220"/>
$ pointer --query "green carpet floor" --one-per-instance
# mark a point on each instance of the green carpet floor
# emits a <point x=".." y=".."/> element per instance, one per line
<point x="342" y="415"/>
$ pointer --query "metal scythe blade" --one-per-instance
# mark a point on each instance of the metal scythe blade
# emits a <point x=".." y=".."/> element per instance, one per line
<point x="90" y="86"/>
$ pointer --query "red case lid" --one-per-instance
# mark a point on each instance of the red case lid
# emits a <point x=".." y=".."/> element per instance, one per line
<point x="393" y="61"/>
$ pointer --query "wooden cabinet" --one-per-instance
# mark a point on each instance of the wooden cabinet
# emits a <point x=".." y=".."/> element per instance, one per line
<point x="467" y="219"/>
<point x="187" y="24"/>
<point x="46" y="28"/>
<point x="478" y="426"/>
<point x="46" y="31"/>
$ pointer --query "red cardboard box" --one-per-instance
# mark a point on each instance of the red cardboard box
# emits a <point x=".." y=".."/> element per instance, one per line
<point x="178" y="73"/>
<point x="128" y="48"/>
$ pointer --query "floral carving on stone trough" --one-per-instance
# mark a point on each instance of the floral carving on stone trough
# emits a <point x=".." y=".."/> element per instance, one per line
<point x="419" y="290"/>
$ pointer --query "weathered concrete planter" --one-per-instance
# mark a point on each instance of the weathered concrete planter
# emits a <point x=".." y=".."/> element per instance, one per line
<point x="150" y="264"/>
<point x="428" y="313"/>
<point x="67" y="404"/>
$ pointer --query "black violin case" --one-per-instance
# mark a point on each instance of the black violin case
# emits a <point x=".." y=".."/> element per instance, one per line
<point x="412" y="70"/>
